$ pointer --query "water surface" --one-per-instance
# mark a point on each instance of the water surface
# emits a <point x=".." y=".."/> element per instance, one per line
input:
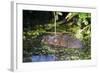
<point x="39" y="58"/>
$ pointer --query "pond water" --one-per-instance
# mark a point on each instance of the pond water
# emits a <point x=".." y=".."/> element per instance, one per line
<point x="56" y="43"/>
<point x="39" y="58"/>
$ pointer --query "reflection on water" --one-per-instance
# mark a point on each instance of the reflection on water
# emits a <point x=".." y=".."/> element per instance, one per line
<point x="39" y="58"/>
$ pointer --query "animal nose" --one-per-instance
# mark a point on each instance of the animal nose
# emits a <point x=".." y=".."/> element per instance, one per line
<point x="55" y="40"/>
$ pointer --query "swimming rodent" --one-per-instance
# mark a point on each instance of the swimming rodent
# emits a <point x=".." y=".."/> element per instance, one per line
<point x="65" y="41"/>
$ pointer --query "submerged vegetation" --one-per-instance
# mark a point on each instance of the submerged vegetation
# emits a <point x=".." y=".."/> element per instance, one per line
<point x="50" y="33"/>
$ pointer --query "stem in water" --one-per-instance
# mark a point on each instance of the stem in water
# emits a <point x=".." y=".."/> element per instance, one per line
<point x="55" y="22"/>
